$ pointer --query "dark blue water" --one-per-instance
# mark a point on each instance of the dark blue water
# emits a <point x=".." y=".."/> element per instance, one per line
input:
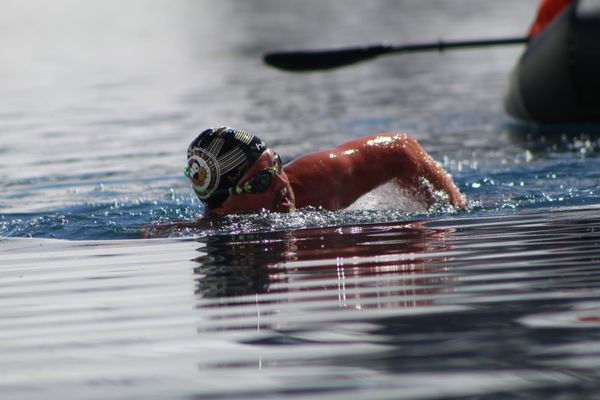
<point x="95" y="132"/>
<point x="499" y="301"/>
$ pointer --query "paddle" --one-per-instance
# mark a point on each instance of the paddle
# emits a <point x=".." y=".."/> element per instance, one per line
<point x="313" y="60"/>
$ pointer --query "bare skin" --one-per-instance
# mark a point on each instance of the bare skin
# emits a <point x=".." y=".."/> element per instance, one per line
<point x="334" y="179"/>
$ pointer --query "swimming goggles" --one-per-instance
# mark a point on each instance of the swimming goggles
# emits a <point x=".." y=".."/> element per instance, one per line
<point x="258" y="183"/>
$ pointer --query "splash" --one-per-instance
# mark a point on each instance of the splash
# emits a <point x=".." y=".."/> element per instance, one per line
<point x="388" y="197"/>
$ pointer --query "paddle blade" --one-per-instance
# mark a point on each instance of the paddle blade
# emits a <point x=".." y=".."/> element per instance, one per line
<point x="312" y="60"/>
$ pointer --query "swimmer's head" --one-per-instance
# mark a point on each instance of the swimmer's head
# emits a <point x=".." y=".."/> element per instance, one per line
<point x="217" y="159"/>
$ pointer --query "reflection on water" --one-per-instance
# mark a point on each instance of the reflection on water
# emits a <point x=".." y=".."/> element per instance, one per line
<point x="497" y="303"/>
<point x="359" y="266"/>
<point x="480" y="307"/>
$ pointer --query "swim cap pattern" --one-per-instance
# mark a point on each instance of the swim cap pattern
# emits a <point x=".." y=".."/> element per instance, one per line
<point x="218" y="158"/>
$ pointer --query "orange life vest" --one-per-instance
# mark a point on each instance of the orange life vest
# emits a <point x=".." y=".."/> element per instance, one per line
<point x="547" y="11"/>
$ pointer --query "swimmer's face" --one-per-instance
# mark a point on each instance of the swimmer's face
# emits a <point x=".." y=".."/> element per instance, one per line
<point x="279" y="197"/>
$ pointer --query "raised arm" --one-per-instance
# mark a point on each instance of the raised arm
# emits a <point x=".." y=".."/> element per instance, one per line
<point x="334" y="179"/>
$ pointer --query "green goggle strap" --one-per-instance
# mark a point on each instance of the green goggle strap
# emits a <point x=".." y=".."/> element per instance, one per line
<point x="245" y="188"/>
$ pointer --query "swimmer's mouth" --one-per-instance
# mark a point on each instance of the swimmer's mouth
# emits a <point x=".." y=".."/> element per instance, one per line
<point x="282" y="202"/>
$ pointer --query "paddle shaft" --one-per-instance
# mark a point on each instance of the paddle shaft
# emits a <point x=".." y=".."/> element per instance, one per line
<point x="312" y="60"/>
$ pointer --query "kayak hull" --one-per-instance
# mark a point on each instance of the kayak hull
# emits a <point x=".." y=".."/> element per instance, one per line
<point x="557" y="78"/>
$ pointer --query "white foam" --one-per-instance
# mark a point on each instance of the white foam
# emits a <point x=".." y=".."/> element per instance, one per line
<point x="387" y="197"/>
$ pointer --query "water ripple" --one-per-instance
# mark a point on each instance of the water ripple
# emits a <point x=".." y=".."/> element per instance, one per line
<point x="456" y="306"/>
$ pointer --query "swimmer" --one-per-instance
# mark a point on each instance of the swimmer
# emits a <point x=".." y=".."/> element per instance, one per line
<point x="233" y="171"/>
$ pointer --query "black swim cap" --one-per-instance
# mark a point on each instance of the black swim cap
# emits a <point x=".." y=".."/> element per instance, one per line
<point x="218" y="158"/>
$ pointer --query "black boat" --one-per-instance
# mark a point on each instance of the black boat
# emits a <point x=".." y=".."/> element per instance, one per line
<point x="557" y="79"/>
